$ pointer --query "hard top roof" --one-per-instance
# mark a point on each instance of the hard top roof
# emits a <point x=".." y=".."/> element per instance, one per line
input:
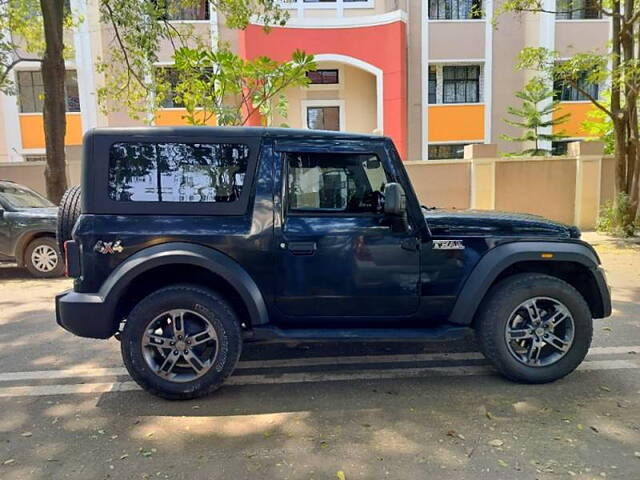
<point x="197" y="131"/>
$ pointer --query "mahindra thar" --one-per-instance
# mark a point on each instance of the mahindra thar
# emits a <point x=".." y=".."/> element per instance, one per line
<point x="185" y="242"/>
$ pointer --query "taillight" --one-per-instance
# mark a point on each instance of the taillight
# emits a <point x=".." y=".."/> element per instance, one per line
<point x="66" y="258"/>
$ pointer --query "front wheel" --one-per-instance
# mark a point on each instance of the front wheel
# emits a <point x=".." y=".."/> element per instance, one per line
<point x="534" y="328"/>
<point x="181" y="342"/>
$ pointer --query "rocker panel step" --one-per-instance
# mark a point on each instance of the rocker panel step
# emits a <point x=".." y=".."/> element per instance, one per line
<point x="265" y="333"/>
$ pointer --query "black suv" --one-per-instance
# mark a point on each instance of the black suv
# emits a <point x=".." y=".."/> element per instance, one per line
<point x="192" y="240"/>
<point x="28" y="230"/>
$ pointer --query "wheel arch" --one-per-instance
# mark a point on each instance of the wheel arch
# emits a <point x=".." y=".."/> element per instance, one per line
<point x="176" y="262"/>
<point x="575" y="263"/>
<point x="25" y="239"/>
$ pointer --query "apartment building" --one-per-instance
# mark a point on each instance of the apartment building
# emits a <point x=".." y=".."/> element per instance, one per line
<point x="434" y="75"/>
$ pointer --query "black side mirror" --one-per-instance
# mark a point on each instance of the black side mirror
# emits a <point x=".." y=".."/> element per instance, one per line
<point x="395" y="200"/>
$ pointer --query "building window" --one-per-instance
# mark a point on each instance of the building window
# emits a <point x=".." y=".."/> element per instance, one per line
<point x="455" y="9"/>
<point x="560" y="147"/>
<point x="447" y="152"/>
<point x="324" y="77"/>
<point x="567" y="93"/>
<point x="323" y="118"/>
<point x="578" y="9"/>
<point x="169" y="100"/>
<point x="461" y="84"/>
<point x="323" y="114"/>
<point x="433" y="85"/>
<point x="181" y="10"/>
<point x="31" y="91"/>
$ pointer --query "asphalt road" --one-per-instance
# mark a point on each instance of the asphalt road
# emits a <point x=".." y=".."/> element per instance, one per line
<point x="317" y="411"/>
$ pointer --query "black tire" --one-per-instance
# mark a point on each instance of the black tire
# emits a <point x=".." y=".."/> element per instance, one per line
<point x="68" y="213"/>
<point x="40" y="254"/>
<point x="212" y="308"/>
<point x="499" y="306"/>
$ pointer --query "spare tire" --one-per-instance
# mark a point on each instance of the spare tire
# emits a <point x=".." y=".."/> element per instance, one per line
<point x="68" y="213"/>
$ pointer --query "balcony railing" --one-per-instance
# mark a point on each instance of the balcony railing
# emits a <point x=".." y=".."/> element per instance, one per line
<point x="326" y="4"/>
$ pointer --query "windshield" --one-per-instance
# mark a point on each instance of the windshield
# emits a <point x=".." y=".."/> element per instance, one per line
<point x="21" y="197"/>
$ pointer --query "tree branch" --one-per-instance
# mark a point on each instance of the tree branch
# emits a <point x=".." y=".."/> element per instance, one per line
<point x="130" y="70"/>
<point x="13" y="64"/>
<point x="591" y="98"/>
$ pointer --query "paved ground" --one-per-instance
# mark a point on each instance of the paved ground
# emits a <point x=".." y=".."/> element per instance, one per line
<point x="318" y="411"/>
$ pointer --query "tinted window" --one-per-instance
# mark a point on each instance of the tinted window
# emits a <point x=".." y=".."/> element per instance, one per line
<point x="335" y="183"/>
<point x="177" y="172"/>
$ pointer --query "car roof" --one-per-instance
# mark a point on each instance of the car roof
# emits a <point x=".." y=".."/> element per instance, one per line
<point x="189" y="131"/>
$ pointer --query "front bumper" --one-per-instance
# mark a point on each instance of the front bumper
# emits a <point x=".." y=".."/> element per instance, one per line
<point x="85" y="315"/>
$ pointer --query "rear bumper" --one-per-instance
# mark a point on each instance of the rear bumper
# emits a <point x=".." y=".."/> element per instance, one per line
<point x="605" y="291"/>
<point x="85" y="315"/>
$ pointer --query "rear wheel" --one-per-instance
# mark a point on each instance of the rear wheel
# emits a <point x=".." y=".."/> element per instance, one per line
<point x="43" y="258"/>
<point x="181" y="342"/>
<point x="534" y="328"/>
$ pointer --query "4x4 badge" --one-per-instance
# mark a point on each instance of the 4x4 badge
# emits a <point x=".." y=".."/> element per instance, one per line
<point x="108" y="248"/>
<point x="448" y="245"/>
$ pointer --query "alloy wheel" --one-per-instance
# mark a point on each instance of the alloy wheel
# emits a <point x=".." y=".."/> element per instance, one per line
<point x="180" y="345"/>
<point x="539" y="332"/>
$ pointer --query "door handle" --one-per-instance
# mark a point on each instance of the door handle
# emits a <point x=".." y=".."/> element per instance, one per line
<point x="302" y="248"/>
<point x="412" y="244"/>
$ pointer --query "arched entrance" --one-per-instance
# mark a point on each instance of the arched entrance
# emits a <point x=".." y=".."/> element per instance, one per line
<point x="376" y="46"/>
<point x="345" y="94"/>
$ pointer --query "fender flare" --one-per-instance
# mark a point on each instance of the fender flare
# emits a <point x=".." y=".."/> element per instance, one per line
<point x="502" y="257"/>
<point x="183" y="253"/>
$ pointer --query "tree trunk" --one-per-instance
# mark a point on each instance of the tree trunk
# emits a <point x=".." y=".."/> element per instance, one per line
<point x="53" y="73"/>
<point x="620" y="129"/>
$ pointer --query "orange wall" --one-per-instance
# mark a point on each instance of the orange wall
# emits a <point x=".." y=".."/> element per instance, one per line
<point x="450" y="123"/>
<point x="578" y="111"/>
<point x="174" y="117"/>
<point x="32" y="130"/>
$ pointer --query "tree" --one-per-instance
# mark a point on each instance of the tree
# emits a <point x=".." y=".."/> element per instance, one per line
<point x="36" y="27"/>
<point x="619" y="66"/>
<point x="132" y="81"/>
<point x="39" y="38"/>
<point x="598" y="124"/>
<point x="536" y="114"/>
<point x="220" y="84"/>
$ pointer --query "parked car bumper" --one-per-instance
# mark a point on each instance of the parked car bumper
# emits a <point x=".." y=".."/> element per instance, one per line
<point x="85" y="315"/>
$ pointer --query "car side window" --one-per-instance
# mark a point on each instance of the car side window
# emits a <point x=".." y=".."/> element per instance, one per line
<point x="330" y="182"/>
<point x="177" y="172"/>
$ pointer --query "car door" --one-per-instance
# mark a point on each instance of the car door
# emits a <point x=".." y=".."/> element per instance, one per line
<point x="337" y="253"/>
